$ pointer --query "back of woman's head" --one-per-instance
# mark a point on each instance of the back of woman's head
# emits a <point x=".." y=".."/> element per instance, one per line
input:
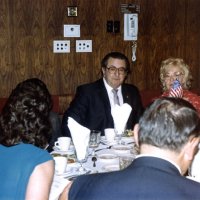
<point x="24" y="117"/>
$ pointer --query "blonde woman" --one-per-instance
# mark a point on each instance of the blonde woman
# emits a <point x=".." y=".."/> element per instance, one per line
<point x="175" y="69"/>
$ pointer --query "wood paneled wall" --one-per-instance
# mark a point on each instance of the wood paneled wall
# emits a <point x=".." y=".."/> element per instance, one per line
<point x="28" y="28"/>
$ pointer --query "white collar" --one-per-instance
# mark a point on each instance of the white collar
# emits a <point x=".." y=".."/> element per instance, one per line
<point x="109" y="88"/>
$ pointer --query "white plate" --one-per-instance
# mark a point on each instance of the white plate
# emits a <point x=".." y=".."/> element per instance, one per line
<point x="110" y="168"/>
<point x="107" y="157"/>
<point x="70" y="169"/>
<point x="125" y="140"/>
<point x="75" y="173"/>
<point x="121" y="149"/>
<point x="103" y="140"/>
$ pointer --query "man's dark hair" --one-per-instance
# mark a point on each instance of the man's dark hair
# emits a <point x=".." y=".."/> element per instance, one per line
<point x="117" y="55"/>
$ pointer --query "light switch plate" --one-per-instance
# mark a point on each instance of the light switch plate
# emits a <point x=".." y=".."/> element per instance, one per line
<point x="71" y="30"/>
<point x="61" y="46"/>
<point x="83" y="45"/>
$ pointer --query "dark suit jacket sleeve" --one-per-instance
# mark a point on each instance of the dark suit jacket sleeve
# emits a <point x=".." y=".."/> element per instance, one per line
<point x="77" y="110"/>
<point x="90" y="108"/>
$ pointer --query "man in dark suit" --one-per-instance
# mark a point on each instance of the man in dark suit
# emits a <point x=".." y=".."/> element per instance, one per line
<point x="168" y="135"/>
<point x="92" y="104"/>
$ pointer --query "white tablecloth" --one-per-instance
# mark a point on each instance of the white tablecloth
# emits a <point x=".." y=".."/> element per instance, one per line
<point x="60" y="181"/>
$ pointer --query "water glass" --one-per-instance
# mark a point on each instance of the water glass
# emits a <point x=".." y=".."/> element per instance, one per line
<point x="95" y="138"/>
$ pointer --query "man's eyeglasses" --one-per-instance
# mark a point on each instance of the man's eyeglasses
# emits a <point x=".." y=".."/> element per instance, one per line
<point x="175" y="76"/>
<point x="113" y="70"/>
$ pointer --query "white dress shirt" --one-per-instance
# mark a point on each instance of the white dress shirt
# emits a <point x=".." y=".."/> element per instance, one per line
<point x="111" y="95"/>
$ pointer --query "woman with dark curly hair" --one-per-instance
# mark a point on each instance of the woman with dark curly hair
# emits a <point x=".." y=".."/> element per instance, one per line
<point x="26" y="170"/>
<point x="54" y="118"/>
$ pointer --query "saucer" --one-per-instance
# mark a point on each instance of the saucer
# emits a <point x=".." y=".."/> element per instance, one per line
<point x="107" y="157"/>
<point x="110" y="168"/>
<point x="127" y="140"/>
<point x="73" y="171"/>
<point x="70" y="170"/>
<point x="69" y="151"/>
<point x="104" y="141"/>
<point x="121" y="149"/>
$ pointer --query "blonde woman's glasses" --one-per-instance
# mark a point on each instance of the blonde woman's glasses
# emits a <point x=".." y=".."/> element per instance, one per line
<point x="175" y="76"/>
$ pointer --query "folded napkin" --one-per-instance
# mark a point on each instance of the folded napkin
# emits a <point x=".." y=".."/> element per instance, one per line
<point x="120" y="116"/>
<point x="80" y="136"/>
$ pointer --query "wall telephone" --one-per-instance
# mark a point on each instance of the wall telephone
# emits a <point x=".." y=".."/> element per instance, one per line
<point x="131" y="31"/>
<point x="130" y="26"/>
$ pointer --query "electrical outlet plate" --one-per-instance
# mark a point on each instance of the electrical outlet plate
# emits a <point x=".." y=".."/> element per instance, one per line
<point x="83" y="45"/>
<point x="72" y="30"/>
<point x="61" y="46"/>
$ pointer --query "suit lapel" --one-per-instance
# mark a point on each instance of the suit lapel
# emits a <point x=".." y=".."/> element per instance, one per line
<point x="125" y="94"/>
<point x="103" y="94"/>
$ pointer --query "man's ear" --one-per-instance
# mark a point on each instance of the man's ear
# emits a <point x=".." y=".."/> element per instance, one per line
<point x="135" y="134"/>
<point x="191" y="148"/>
<point x="103" y="71"/>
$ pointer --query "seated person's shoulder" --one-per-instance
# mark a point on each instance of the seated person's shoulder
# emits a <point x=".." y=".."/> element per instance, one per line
<point x="29" y="148"/>
<point x="89" y="86"/>
<point x="130" y="87"/>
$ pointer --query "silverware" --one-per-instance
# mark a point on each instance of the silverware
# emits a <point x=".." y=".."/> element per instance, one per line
<point x="126" y="143"/>
<point x="109" y="147"/>
<point x="94" y="159"/>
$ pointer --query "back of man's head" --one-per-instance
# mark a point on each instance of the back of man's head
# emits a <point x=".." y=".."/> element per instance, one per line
<point x="168" y="124"/>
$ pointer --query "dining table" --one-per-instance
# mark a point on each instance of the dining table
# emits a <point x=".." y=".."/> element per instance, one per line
<point x="103" y="159"/>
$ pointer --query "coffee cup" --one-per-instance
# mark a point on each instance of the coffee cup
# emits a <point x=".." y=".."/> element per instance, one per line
<point x="109" y="134"/>
<point x="63" y="143"/>
<point x="60" y="164"/>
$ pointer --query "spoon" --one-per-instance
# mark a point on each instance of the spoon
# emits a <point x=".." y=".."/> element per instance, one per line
<point x="94" y="159"/>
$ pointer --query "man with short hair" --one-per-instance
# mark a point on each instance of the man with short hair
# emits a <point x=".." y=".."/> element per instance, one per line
<point x="92" y="104"/>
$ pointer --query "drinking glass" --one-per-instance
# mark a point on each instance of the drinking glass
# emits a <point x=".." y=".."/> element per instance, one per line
<point x="95" y="137"/>
<point x="119" y="132"/>
<point x="119" y="135"/>
<point x="82" y="158"/>
<point x="82" y="169"/>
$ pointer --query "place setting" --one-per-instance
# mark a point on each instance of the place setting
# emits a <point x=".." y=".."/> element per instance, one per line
<point x="90" y="152"/>
<point x="63" y="145"/>
<point x="81" y="137"/>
